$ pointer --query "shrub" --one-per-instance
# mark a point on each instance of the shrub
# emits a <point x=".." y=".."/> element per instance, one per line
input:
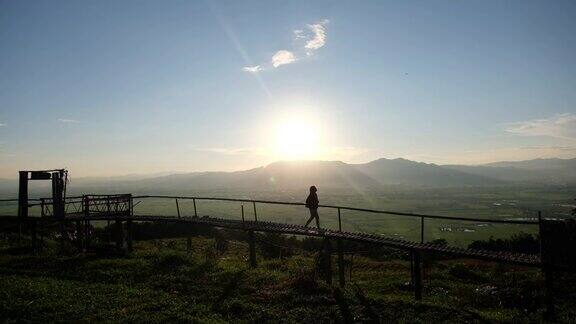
<point x="461" y="271"/>
<point x="169" y="262"/>
<point x="521" y="243"/>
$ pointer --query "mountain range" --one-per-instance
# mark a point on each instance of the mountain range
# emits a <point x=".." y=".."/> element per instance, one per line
<point x="374" y="174"/>
<point x="337" y="174"/>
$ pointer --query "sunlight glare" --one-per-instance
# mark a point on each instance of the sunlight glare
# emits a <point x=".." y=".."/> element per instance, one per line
<point x="296" y="139"/>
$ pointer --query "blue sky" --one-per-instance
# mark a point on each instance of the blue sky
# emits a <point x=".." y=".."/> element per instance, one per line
<point x="119" y="87"/>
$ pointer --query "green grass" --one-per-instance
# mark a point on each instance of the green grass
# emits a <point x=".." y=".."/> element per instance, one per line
<point x="161" y="282"/>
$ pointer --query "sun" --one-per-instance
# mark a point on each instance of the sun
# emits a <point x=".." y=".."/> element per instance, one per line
<point x="296" y="139"/>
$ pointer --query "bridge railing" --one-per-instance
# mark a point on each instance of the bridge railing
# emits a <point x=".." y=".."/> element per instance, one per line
<point x="251" y="206"/>
<point x="117" y="204"/>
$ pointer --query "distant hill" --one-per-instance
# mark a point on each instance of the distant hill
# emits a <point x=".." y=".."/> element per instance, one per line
<point x="538" y="164"/>
<point x="328" y="174"/>
<point x="284" y="174"/>
<point x="542" y="171"/>
<point x="337" y="174"/>
<point x="406" y="172"/>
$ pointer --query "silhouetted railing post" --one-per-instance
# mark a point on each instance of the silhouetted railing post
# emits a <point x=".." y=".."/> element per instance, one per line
<point x="79" y="235"/>
<point x="540" y="235"/>
<point x="341" y="274"/>
<point x="119" y="235"/>
<point x="42" y="206"/>
<point x="86" y="205"/>
<point x="547" y="268"/>
<point x="129" y="233"/>
<point x="34" y="236"/>
<point x="417" y="275"/>
<point x="411" y="268"/>
<point x="351" y="266"/>
<point x="422" y="229"/>
<point x="255" y="214"/>
<point x="339" y="220"/>
<point x="86" y="236"/>
<point x="327" y="261"/>
<point x="195" y="210"/>
<point x="177" y="208"/>
<point x="242" y="208"/>
<point x="252" y="243"/>
<point x="108" y="232"/>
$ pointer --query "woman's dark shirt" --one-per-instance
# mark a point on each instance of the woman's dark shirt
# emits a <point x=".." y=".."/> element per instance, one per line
<point x="312" y="201"/>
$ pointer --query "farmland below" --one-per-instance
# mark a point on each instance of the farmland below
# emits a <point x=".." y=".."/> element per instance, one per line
<point x="499" y="202"/>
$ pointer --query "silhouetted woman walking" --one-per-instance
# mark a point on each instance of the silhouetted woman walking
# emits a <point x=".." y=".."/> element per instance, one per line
<point x="312" y="204"/>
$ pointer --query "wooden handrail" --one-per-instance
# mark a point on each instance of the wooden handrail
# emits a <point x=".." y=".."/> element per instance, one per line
<point x="470" y="219"/>
<point x="285" y="203"/>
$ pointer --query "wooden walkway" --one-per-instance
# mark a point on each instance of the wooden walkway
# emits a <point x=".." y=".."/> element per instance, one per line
<point x="280" y="228"/>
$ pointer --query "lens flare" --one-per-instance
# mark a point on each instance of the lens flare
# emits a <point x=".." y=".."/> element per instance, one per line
<point x="296" y="139"/>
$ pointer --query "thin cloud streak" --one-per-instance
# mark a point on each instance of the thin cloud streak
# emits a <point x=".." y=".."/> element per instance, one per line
<point x="560" y="126"/>
<point x="344" y="153"/>
<point x="232" y="151"/>
<point x="68" y="121"/>
<point x="252" y="69"/>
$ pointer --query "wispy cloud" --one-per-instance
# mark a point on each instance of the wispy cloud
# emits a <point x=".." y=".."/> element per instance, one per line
<point x="231" y="151"/>
<point x="318" y="38"/>
<point x="308" y="41"/>
<point x="299" y="34"/>
<point x="550" y="147"/>
<point x="2" y="124"/>
<point x="252" y="69"/>
<point x="559" y="126"/>
<point x="283" y="57"/>
<point x="68" y="121"/>
<point x="344" y="153"/>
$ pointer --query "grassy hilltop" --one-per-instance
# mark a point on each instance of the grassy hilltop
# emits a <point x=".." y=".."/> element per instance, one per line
<point x="161" y="282"/>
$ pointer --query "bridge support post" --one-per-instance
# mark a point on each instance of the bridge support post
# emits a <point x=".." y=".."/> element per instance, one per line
<point x="327" y="261"/>
<point x="34" y="236"/>
<point x="108" y="233"/>
<point x="64" y="235"/>
<point x="549" y="291"/>
<point x="129" y="234"/>
<point x="119" y="235"/>
<point x="547" y="268"/>
<point x="341" y="274"/>
<point x="87" y="235"/>
<point x="417" y="274"/>
<point x="252" y="243"/>
<point x="41" y="240"/>
<point x="22" y="201"/>
<point x="79" y="235"/>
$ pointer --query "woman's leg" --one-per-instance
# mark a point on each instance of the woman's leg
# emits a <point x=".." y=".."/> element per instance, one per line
<point x="310" y="219"/>
<point x="315" y="215"/>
